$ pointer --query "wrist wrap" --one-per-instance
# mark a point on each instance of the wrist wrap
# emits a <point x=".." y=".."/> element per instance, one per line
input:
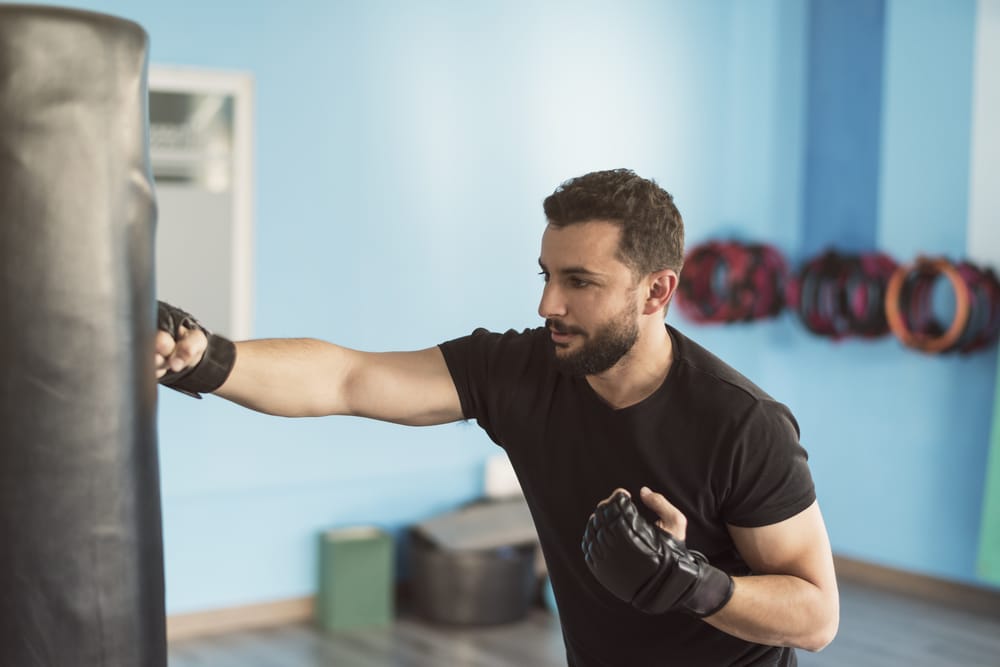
<point x="208" y="374"/>
<point x="647" y="567"/>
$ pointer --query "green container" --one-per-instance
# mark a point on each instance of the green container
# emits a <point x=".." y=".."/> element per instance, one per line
<point x="356" y="579"/>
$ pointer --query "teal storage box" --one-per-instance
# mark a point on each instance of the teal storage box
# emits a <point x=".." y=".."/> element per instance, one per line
<point x="356" y="583"/>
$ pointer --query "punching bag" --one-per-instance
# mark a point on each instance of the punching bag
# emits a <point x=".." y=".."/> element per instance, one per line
<point x="81" y="548"/>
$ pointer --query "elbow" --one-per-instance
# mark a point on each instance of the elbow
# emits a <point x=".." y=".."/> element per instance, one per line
<point x="823" y="635"/>
<point x="827" y="621"/>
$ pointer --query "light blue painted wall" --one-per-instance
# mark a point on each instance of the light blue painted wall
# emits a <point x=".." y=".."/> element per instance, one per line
<point x="937" y="431"/>
<point x="926" y="126"/>
<point x="844" y="102"/>
<point x="403" y="150"/>
<point x="898" y="440"/>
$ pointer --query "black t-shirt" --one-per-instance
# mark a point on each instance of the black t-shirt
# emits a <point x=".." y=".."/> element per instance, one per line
<point x="718" y="447"/>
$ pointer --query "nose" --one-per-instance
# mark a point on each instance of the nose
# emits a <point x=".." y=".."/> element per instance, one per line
<point x="552" y="304"/>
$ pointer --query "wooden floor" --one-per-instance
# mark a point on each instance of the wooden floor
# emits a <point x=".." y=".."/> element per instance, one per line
<point x="877" y="629"/>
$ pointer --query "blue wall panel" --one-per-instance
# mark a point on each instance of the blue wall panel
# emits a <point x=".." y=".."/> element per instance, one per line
<point x="843" y="125"/>
<point x="927" y="119"/>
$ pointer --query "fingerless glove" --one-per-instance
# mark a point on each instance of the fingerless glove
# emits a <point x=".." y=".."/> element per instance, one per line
<point x="647" y="567"/>
<point x="215" y="366"/>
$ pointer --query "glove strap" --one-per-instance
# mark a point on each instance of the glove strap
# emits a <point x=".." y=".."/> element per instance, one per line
<point x="673" y="581"/>
<point x="685" y="581"/>
<point x="712" y="591"/>
<point x="210" y="373"/>
<point x="216" y="364"/>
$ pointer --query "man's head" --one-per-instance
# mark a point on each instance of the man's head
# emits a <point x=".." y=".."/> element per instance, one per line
<point x="611" y="255"/>
<point x="652" y="229"/>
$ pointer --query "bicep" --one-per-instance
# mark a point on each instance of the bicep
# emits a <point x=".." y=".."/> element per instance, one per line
<point x="798" y="546"/>
<point x="413" y="388"/>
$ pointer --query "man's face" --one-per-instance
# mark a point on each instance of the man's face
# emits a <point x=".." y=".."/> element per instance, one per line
<point x="590" y="301"/>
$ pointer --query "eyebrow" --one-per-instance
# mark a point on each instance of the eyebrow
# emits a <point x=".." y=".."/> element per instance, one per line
<point x="580" y="270"/>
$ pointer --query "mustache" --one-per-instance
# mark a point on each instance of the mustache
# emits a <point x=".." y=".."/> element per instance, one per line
<point x="559" y="327"/>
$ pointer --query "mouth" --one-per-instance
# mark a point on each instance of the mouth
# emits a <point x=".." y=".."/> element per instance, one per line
<point x="561" y="334"/>
<point x="561" y="337"/>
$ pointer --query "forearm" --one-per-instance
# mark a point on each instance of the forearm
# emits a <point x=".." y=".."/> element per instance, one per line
<point x="295" y="377"/>
<point x="304" y="377"/>
<point x="779" y="610"/>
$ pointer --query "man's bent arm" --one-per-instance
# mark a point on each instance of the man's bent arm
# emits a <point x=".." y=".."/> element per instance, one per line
<point x="793" y="598"/>
<point x="310" y="378"/>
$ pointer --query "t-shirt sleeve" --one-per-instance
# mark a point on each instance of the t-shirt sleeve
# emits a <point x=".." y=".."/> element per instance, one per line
<point x="769" y="478"/>
<point x="486" y="367"/>
<point x="466" y="363"/>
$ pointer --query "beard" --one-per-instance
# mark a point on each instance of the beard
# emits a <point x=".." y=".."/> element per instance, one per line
<point x="600" y="350"/>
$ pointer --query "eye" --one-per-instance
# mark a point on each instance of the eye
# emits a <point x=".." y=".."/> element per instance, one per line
<point x="579" y="282"/>
<point x="544" y="275"/>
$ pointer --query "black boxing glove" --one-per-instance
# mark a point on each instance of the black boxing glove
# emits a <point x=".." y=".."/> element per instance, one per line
<point x="647" y="567"/>
<point x="208" y="374"/>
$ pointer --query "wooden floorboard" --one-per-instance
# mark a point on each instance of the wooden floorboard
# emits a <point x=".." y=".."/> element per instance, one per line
<point x="877" y="629"/>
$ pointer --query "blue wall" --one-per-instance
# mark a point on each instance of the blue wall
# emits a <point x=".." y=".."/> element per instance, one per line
<point x="403" y="150"/>
<point x="844" y="107"/>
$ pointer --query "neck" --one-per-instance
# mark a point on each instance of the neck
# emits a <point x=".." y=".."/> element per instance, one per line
<point x="640" y="372"/>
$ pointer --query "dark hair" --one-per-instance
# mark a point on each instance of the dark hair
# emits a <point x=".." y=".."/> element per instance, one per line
<point x="652" y="230"/>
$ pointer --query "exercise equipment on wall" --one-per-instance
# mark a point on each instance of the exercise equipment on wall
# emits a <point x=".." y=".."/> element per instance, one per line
<point x="910" y="306"/>
<point x="728" y="281"/>
<point x="839" y="295"/>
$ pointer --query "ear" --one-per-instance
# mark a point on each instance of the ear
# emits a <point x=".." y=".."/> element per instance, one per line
<point x="661" y="286"/>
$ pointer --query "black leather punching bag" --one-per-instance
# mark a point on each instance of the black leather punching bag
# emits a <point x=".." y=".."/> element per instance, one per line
<point x="81" y="549"/>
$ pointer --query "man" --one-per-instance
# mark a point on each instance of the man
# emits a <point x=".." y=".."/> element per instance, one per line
<point x="724" y="560"/>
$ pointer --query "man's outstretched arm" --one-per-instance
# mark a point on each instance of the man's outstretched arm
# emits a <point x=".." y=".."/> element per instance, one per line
<point x="302" y="377"/>
<point x="312" y="378"/>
